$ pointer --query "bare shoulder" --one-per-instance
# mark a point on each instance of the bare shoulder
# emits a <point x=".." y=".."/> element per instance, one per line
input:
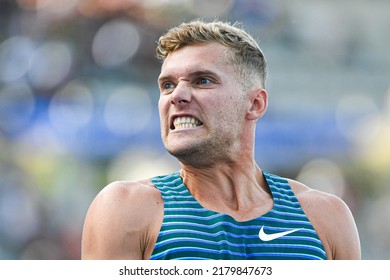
<point x="315" y="200"/>
<point x="120" y="193"/>
<point x="332" y="219"/>
<point x="122" y="221"/>
<point x="129" y="199"/>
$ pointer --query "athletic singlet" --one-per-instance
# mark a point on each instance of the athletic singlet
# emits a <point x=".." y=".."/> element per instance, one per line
<point x="190" y="231"/>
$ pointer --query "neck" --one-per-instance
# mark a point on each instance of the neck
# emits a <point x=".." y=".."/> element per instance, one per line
<point x="236" y="188"/>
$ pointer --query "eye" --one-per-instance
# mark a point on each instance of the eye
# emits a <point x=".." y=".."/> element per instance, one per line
<point x="167" y="87"/>
<point x="204" y="81"/>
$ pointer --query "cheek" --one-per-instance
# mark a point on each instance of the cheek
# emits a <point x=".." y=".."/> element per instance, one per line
<point x="232" y="114"/>
<point x="163" y="111"/>
<point x="162" y="106"/>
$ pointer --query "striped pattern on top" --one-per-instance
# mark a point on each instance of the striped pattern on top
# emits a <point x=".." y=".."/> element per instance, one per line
<point x="190" y="231"/>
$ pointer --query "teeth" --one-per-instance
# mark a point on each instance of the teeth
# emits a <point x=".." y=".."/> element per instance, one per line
<point x="186" y="122"/>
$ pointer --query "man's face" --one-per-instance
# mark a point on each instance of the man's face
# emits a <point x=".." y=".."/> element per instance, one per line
<point x="202" y="104"/>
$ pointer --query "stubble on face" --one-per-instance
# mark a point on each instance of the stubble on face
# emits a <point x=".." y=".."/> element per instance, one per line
<point x="219" y="144"/>
<point x="204" y="152"/>
<point x="219" y="137"/>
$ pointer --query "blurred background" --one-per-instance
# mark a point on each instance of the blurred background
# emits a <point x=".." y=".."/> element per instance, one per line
<point x="78" y="98"/>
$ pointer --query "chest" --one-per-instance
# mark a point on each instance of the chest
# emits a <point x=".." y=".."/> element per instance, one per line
<point x="202" y="234"/>
<point x="189" y="231"/>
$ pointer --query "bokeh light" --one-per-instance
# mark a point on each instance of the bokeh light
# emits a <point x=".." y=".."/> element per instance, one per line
<point x="15" y="54"/>
<point x="357" y="117"/>
<point x="128" y="110"/>
<point x="78" y="107"/>
<point x="115" y="43"/>
<point x="71" y="107"/>
<point x="49" y="65"/>
<point x="324" y="175"/>
<point x="17" y="105"/>
<point x="140" y="163"/>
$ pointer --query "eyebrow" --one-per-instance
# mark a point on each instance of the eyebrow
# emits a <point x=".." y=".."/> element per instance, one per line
<point x="197" y="73"/>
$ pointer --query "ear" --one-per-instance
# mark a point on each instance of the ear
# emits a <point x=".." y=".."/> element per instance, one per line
<point x="259" y="103"/>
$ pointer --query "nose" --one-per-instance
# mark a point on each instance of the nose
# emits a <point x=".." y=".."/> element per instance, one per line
<point x="182" y="94"/>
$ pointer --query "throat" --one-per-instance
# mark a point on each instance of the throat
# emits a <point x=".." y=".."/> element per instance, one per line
<point x="241" y="212"/>
<point x="242" y="201"/>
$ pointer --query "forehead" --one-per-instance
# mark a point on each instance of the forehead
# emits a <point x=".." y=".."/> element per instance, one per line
<point x="209" y="57"/>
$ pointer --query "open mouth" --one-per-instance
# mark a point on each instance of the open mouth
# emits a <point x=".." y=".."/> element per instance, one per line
<point x="185" y="122"/>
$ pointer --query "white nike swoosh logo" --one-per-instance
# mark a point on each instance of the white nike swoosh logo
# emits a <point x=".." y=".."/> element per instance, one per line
<point x="269" y="237"/>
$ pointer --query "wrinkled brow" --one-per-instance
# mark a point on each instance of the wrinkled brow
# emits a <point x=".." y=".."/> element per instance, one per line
<point x="191" y="75"/>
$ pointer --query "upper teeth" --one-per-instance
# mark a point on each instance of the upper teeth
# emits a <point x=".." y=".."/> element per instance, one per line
<point x="184" y="122"/>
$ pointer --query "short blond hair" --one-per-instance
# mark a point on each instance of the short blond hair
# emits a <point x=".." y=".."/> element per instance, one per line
<point x="244" y="53"/>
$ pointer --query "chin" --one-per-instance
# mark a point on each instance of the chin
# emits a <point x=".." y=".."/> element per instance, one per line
<point x="182" y="151"/>
<point x="195" y="155"/>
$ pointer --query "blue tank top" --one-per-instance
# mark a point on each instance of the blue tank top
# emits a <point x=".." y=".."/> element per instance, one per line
<point x="190" y="231"/>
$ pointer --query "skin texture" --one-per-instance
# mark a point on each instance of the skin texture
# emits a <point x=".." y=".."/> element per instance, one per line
<point x="217" y="164"/>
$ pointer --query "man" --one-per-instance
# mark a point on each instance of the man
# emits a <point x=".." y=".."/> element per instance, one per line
<point x="220" y="205"/>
